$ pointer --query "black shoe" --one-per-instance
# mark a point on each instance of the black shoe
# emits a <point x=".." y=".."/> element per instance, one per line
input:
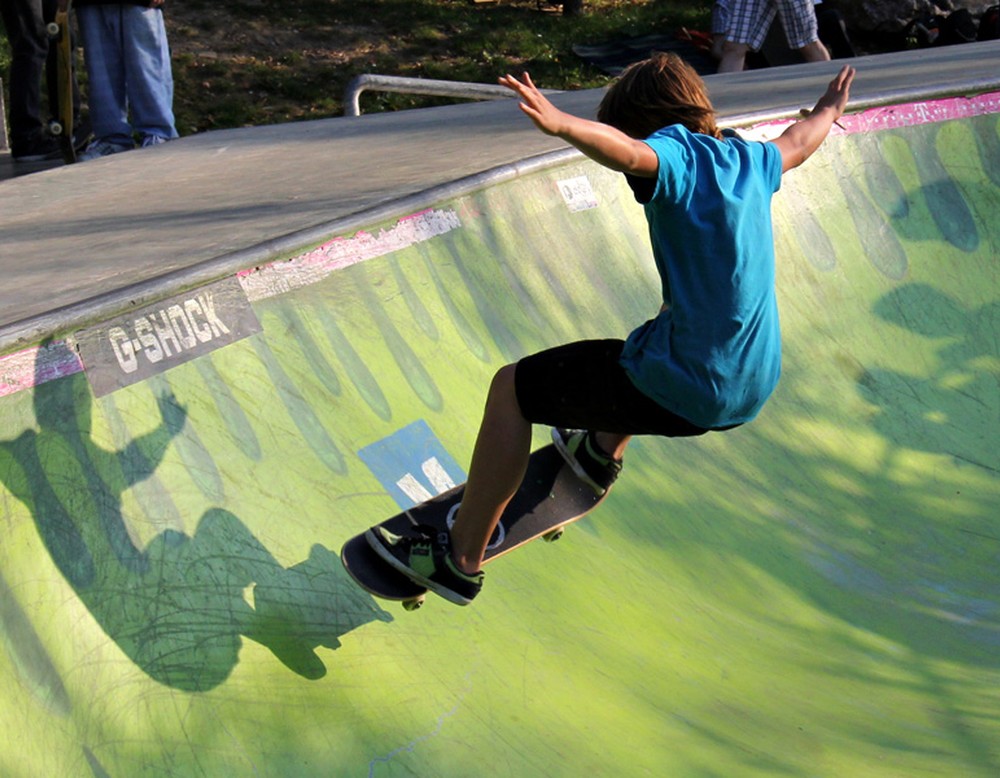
<point x="591" y="465"/>
<point x="425" y="557"/>
<point x="82" y="135"/>
<point x="39" y="148"/>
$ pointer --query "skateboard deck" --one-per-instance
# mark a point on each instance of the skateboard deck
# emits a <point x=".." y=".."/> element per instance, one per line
<point x="59" y="35"/>
<point x="551" y="496"/>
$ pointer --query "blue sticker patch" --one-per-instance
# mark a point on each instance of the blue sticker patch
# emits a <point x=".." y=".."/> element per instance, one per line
<point x="412" y="465"/>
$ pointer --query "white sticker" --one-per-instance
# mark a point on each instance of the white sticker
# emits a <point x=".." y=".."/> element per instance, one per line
<point x="577" y="193"/>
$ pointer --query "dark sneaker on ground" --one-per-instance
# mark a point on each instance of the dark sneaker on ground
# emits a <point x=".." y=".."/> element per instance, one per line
<point x="82" y="135"/>
<point x="586" y="459"/>
<point x="38" y="148"/>
<point x="425" y="557"/>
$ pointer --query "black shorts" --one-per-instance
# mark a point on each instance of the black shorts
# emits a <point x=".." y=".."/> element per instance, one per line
<point x="582" y="385"/>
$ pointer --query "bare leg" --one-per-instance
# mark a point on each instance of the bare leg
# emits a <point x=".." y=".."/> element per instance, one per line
<point x="499" y="461"/>
<point x="815" y="52"/>
<point x="718" y="41"/>
<point x="613" y="443"/>
<point x="733" y="57"/>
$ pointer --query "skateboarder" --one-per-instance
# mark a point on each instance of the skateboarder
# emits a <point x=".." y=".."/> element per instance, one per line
<point x="710" y="358"/>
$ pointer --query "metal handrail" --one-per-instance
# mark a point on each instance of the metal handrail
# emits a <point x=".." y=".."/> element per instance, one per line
<point x="465" y="90"/>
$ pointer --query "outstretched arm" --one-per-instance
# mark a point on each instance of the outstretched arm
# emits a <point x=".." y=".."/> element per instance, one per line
<point x="798" y="142"/>
<point x="601" y="142"/>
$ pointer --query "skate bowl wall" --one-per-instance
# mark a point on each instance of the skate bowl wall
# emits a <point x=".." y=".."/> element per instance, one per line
<point x="816" y="593"/>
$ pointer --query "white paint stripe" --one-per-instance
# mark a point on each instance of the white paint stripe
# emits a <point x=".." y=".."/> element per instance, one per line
<point x="437" y="475"/>
<point x="36" y="365"/>
<point x="893" y="116"/>
<point x="413" y="489"/>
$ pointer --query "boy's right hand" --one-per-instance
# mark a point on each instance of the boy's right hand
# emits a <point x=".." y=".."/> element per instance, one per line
<point x="537" y="106"/>
<point x="601" y="142"/>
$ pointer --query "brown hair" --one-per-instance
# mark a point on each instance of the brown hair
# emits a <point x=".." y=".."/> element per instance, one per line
<point x="655" y="93"/>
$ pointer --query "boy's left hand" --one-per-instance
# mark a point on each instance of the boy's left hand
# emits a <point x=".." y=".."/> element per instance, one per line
<point x="838" y="92"/>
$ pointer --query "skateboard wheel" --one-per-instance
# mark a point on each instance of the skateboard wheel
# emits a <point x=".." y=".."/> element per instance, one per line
<point x="554" y="535"/>
<point x="52" y="29"/>
<point x="55" y="128"/>
<point x="414" y="604"/>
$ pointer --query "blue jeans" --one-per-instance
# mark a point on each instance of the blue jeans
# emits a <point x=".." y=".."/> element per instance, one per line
<point x="128" y="68"/>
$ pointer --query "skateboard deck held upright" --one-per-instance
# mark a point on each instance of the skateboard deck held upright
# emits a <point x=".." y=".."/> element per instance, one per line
<point x="550" y="497"/>
<point x="59" y="35"/>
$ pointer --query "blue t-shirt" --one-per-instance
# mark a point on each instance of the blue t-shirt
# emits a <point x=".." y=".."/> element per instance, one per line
<point x="713" y="355"/>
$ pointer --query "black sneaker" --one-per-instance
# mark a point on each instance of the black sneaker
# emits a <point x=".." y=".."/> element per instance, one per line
<point x="38" y="148"/>
<point x="425" y="557"/>
<point x="591" y="465"/>
<point x="82" y="135"/>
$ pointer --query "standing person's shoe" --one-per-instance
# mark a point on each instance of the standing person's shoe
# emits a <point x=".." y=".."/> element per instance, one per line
<point x="40" y="147"/>
<point x="83" y="134"/>
<point x="102" y="148"/>
<point x="592" y="465"/>
<point x="151" y="140"/>
<point x="425" y="557"/>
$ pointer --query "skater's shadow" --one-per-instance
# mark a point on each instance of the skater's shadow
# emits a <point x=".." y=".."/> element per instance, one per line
<point x="180" y="606"/>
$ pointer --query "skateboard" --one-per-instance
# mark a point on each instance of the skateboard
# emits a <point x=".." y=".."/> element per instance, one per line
<point x="551" y="496"/>
<point x="59" y="35"/>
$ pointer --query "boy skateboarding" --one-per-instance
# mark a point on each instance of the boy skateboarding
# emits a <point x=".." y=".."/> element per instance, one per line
<point x="709" y="359"/>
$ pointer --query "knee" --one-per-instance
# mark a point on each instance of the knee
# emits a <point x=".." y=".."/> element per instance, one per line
<point x="503" y="382"/>
<point x="733" y="57"/>
<point x="815" y="52"/>
<point x="733" y="49"/>
<point x="503" y="392"/>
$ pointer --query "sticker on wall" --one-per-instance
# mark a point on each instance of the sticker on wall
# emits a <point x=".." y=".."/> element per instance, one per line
<point x="412" y="465"/>
<point x="146" y="342"/>
<point x="577" y="193"/>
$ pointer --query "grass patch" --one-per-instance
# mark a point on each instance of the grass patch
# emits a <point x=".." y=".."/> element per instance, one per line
<point x="249" y="62"/>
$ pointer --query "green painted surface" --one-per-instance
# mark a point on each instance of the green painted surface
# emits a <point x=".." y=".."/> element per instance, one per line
<point x="816" y="594"/>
